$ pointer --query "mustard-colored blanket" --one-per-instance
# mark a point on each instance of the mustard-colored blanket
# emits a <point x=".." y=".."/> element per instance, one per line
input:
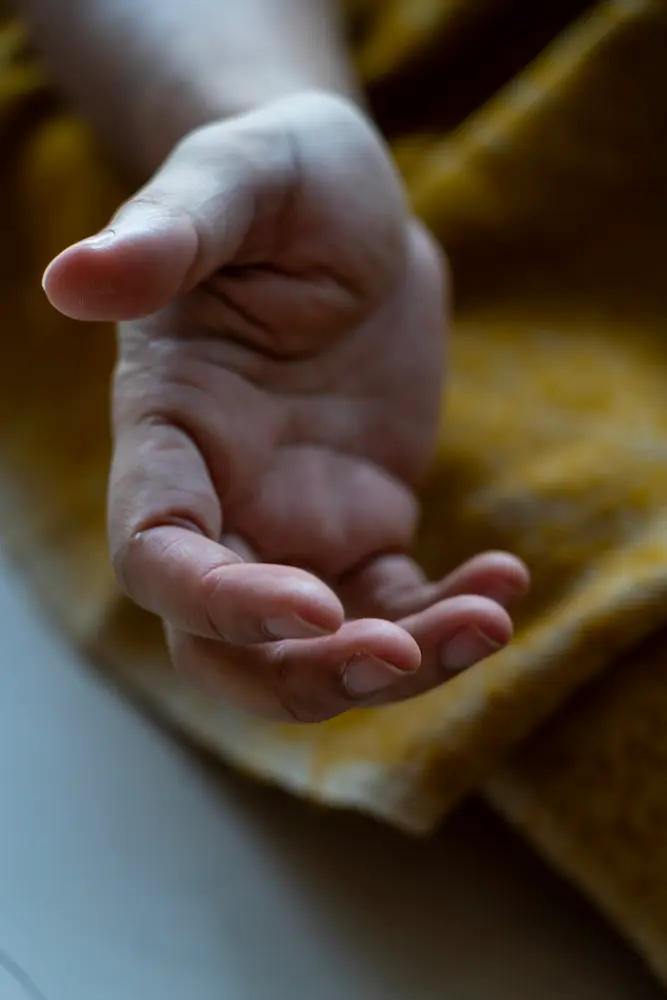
<point x="533" y="138"/>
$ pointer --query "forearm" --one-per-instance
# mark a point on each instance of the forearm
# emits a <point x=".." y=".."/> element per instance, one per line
<point x="145" y="73"/>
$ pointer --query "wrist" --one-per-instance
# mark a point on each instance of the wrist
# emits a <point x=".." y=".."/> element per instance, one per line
<point x="179" y="106"/>
<point x="145" y="73"/>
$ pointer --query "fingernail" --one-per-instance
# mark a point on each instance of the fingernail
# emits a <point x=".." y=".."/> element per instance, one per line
<point x="293" y="627"/>
<point x="96" y="242"/>
<point x="467" y="648"/>
<point x="99" y="240"/>
<point x="367" y="675"/>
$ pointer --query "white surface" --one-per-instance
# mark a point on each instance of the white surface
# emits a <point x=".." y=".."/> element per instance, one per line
<point x="128" y="871"/>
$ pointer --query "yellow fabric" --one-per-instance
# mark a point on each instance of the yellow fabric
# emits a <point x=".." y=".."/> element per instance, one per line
<point x="541" y="165"/>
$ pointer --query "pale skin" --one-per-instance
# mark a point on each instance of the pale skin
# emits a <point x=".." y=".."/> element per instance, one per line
<point x="280" y="327"/>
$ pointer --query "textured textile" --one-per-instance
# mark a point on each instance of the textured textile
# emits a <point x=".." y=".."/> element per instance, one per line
<point x="533" y="138"/>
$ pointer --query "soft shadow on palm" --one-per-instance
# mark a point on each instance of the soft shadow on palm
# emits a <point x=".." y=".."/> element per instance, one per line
<point x="314" y="457"/>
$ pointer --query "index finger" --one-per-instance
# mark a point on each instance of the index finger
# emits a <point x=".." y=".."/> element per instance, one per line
<point x="165" y="520"/>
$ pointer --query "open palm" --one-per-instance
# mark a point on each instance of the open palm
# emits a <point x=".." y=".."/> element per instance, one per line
<point x="281" y="332"/>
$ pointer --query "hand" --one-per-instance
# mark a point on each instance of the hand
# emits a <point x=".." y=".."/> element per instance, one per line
<point x="276" y="398"/>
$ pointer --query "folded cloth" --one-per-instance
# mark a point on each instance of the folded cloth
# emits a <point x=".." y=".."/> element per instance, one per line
<point x="533" y="139"/>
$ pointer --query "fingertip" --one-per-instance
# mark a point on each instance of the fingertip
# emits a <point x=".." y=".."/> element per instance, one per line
<point x="475" y="643"/>
<point x="508" y="587"/>
<point x="273" y="603"/>
<point x="388" y="642"/>
<point x="312" y="615"/>
<point x="497" y="576"/>
<point x="308" y="596"/>
<point x="488" y="615"/>
<point x="64" y="278"/>
<point x="501" y="628"/>
<point x="519" y="572"/>
<point x="440" y="623"/>
<point x="61" y="263"/>
<point x="88" y="280"/>
<point x="122" y="273"/>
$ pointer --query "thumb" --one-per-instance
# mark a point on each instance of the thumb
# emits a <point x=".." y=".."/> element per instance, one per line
<point x="190" y="220"/>
<point x="309" y="167"/>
